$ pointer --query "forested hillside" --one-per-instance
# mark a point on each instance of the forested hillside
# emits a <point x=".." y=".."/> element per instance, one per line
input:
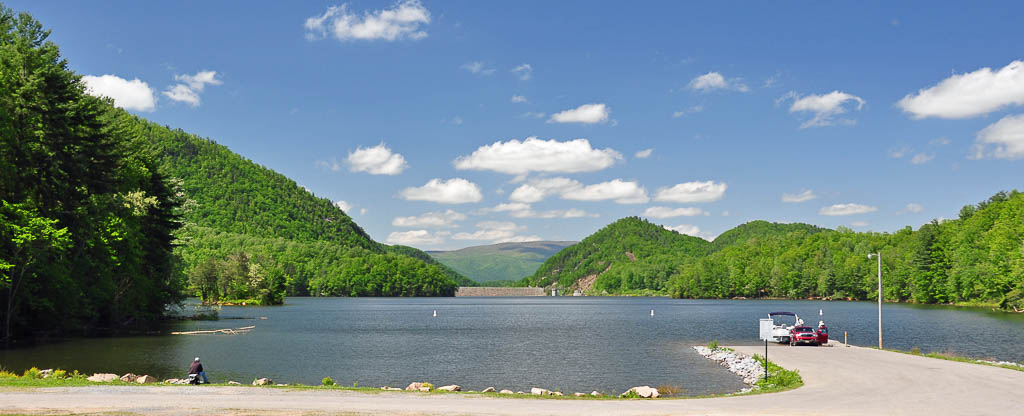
<point x="502" y="262"/>
<point x="86" y="217"/>
<point x="628" y="255"/>
<point x="976" y="258"/>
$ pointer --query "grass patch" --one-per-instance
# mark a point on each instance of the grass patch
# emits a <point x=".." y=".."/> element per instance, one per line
<point x="951" y="356"/>
<point x="779" y="379"/>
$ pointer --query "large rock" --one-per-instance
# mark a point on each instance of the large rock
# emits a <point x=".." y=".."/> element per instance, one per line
<point x="389" y="388"/>
<point x="234" y="383"/>
<point x="646" y="392"/>
<point x="451" y="387"/>
<point x="579" y="394"/>
<point x="557" y="393"/>
<point x="488" y="390"/>
<point x="172" y="381"/>
<point x="102" y="377"/>
<point x="419" y="386"/>
<point x="537" y="391"/>
<point x="146" y="379"/>
<point x="595" y="393"/>
<point x="261" y="382"/>
<point x="46" y="373"/>
<point x="129" y="378"/>
<point x="506" y="391"/>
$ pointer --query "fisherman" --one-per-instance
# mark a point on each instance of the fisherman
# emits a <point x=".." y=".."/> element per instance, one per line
<point x="197" y="368"/>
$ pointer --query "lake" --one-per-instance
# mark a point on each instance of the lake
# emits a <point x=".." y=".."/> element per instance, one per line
<point x="608" y="344"/>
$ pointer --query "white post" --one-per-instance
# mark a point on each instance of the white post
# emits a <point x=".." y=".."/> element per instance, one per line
<point x="879" y="254"/>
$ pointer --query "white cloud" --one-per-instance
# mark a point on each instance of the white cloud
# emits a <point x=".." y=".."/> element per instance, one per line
<point x="805" y="195"/>
<point x="922" y="158"/>
<point x="709" y="191"/>
<point x="537" y="190"/>
<point x="899" y="152"/>
<point x="497" y="232"/>
<point x="693" y="109"/>
<point x="968" y="95"/>
<point x="524" y="71"/>
<point x="189" y="86"/>
<point x="478" y="67"/>
<point x="401" y="21"/>
<point x="846" y="209"/>
<point x="860" y="224"/>
<point x="915" y="208"/>
<point x="825" y="107"/>
<point x="435" y="219"/>
<point x="416" y="237"/>
<point x="554" y="213"/>
<point x="690" y="230"/>
<point x="343" y="205"/>
<point x="129" y="95"/>
<point x="715" y="81"/>
<point x="1003" y="139"/>
<point x="519" y="99"/>
<point x="531" y="114"/>
<point x="535" y="155"/>
<point x="942" y="141"/>
<point x="586" y="113"/>
<point x="643" y="154"/>
<point x="362" y="211"/>
<point x="377" y="160"/>
<point x="452" y="191"/>
<point x="666" y="212"/>
<point x="622" y="192"/>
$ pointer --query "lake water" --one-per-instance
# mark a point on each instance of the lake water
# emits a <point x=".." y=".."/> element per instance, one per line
<point x="570" y="344"/>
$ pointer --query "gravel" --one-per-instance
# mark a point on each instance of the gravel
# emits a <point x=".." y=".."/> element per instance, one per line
<point x="740" y="364"/>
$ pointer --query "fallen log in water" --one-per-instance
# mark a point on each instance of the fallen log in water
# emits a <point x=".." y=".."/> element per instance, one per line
<point x="228" y="331"/>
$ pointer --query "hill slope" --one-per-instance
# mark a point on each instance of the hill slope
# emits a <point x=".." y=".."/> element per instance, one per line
<point x="238" y="206"/>
<point x="628" y="255"/>
<point x="505" y="261"/>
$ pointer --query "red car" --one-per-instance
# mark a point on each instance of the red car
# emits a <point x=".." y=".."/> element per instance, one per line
<point x="803" y="334"/>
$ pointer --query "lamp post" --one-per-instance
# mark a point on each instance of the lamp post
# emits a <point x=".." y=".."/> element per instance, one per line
<point x="879" y="255"/>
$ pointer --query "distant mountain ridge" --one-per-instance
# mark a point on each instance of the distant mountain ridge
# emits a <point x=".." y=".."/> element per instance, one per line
<point x="500" y="262"/>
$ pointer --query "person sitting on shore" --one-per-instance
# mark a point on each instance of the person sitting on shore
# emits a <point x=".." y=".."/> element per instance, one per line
<point x="197" y="368"/>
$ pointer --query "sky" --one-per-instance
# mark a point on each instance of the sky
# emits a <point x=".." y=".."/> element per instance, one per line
<point x="443" y="125"/>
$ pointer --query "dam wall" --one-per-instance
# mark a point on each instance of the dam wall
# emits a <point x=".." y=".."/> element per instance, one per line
<point x="500" y="291"/>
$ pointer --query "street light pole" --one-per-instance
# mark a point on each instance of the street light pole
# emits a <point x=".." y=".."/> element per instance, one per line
<point x="879" y="255"/>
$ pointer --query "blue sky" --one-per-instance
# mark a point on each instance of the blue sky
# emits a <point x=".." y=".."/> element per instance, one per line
<point x="703" y="116"/>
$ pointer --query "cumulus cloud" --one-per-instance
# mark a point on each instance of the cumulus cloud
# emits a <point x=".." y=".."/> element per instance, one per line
<point x="805" y="195"/>
<point x="535" y="155"/>
<point x="522" y="210"/>
<point x="942" y="141"/>
<point x="519" y="99"/>
<point x="524" y="72"/>
<point x="690" y="230"/>
<point x="709" y="191"/>
<point x="1003" y="139"/>
<point x="825" y="107"/>
<point x="403" y="20"/>
<point x="496" y="232"/>
<point x="666" y="212"/>
<point x="693" y="109"/>
<point x="715" y="81"/>
<point x="538" y="189"/>
<point x="586" y="113"/>
<point x="451" y="191"/>
<point x="968" y="95"/>
<point x="478" y="67"/>
<point x="416" y="237"/>
<point x="376" y="160"/>
<point x="860" y="224"/>
<point x="846" y="209"/>
<point x="643" y="154"/>
<point x="189" y="86"/>
<point x="899" y="152"/>
<point x="129" y="95"/>
<point x="922" y="158"/>
<point x="343" y="205"/>
<point x="915" y="208"/>
<point x="437" y="219"/>
<point x="620" y="191"/>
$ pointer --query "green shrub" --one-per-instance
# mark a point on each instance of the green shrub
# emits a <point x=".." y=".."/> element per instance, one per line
<point x="59" y="374"/>
<point x="327" y="381"/>
<point x="915" y="351"/>
<point x="632" y="394"/>
<point x="33" y="373"/>
<point x="713" y="345"/>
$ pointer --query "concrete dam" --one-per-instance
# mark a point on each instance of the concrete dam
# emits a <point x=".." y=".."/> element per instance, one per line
<point x="500" y="291"/>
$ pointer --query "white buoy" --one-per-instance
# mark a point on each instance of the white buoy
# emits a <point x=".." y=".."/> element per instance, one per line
<point x="435" y="313"/>
<point x="652" y="312"/>
<point x="819" y="312"/>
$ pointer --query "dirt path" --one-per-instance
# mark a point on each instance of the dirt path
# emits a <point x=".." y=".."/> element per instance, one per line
<point x="838" y="381"/>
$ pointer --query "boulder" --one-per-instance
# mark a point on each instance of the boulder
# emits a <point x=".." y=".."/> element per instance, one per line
<point x="557" y="393"/>
<point x="46" y="373"/>
<point x="537" y="391"/>
<point x="102" y="377"/>
<point x="519" y="392"/>
<point x="172" y="381"/>
<point x="419" y="386"/>
<point x="646" y="392"/>
<point x="595" y="393"/>
<point x="451" y="387"/>
<point x="261" y="382"/>
<point x="281" y="385"/>
<point x="488" y="390"/>
<point x="389" y="388"/>
<point x="579" y="394"/>
<point x="505" y="391"/>
<point x="146" y="379"/>
<point x="129" y="378"/>
<point x="234" y="383"/>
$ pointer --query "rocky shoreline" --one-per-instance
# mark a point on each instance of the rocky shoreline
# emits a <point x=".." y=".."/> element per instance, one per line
<point x="749" y="369"/>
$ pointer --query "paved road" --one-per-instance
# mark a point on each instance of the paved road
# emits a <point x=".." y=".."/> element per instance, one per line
<point x="838" y="381"/>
